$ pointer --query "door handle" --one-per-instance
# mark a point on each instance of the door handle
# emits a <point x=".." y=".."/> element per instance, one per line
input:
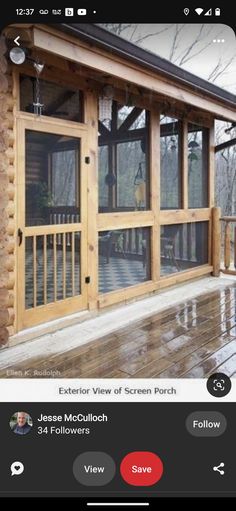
<point x="20" y="236"/>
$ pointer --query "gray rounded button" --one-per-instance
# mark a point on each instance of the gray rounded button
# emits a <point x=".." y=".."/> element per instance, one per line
<point x="94" y="468"/>
<point x="206" y="424"/>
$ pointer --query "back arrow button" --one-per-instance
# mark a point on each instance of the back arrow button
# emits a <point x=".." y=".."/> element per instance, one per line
<point x="16" y="40"/>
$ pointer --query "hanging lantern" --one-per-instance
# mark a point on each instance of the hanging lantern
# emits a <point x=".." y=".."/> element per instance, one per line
<point x="140" y="187"/>
<point x="17" y="56"/>
<point x="173" y="146"/>
<point x="37" y="105"/>
<point x="193" y="145"/>
<point x="105" y="106"/>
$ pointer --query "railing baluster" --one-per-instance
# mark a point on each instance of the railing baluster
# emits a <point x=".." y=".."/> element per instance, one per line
<point x="180" y="246"/>
<point x="189" y="241"/>
<point x="35" y="269"/>
<point x="45" y="269"/>
<point x="227" y="245"/>
<point x="235" y="247"/>
<point x="73" y="263"/>
<point x="216" y="241"/>
<point x="55" y="266"/>
<point x="64" y="264"/>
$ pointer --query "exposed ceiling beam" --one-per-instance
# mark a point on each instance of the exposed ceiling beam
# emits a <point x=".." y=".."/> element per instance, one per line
<point x="103" y="130"/>
<point x="105" y="63"/>
<point x="120" y="137"/>
<point x="172" y="128"/>
<point x="134" y="114"/>
<point x="224" y="145"/>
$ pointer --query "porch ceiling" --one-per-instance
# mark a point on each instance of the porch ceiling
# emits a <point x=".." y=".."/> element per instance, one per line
<point x="203" y="96"/>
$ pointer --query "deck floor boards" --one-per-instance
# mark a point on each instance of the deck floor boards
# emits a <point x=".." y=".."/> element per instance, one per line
<point x="190" y="340"/>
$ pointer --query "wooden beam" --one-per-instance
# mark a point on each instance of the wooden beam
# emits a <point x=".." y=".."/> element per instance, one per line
<point x="40" y="230"/>
<point x="184" y="164"/>
<point x="61" y="124"/>
<point x="172" y="128"/>
<point x="228" y="218"/>
<point x="130" y="119"/>
<point x="66" y="73"/>
<point x="123" y="295"/>
<point x="224" y="145"/>
<point x="108" y="221"/>
<point x="52" y="311"/>
<point x="104" y="132"/>
<point x="102" y="61"/>
<point x="211" y="166"/>
<point x="120" y="137"/>
<point x="184" y="216"/>
<point x="185" y="276"/>
<point x="228" y="272"/>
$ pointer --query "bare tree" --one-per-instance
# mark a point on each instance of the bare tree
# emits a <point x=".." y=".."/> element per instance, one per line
<point x="180" y="53"/>
<point x="225" y="189"/>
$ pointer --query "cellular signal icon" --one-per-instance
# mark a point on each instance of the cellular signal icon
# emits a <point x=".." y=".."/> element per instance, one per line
<point x="199" y="11"/>
<point x="208" y="13"/>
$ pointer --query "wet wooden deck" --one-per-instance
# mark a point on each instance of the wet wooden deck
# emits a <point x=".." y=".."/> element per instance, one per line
<point x="190" y="340"/>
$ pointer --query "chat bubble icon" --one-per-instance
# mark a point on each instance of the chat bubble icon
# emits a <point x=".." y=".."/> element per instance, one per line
<point x="17" y="468"/>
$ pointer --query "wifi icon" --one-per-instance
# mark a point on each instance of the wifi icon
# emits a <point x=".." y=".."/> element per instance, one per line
<point x="199" y="11"/>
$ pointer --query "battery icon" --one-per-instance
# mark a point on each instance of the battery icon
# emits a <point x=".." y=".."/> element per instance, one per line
<point x="217" y="12"/>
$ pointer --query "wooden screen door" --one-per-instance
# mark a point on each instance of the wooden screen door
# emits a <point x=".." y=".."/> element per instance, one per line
<point x="52" y="220"/>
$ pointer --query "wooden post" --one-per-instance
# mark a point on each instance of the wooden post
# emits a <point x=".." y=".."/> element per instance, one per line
<point x="91" y="108"/>
<point x="216" y="241"/>
<point x="184" y="165"/>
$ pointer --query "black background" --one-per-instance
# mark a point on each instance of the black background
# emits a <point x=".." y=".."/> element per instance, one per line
<point x="159" y="428"/>
<point x="155" y="427"/>
<point x="125" y="12"/>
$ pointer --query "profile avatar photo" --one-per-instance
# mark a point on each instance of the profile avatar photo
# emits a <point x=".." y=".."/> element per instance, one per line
<point x="21" y="423"/>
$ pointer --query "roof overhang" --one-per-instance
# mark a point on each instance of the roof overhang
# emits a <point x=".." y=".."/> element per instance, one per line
<point x="98" y="50"/>
<point x="118" y="46"/>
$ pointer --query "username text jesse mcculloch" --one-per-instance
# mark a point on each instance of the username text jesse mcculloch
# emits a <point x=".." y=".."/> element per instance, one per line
<point x="80" y="417"/>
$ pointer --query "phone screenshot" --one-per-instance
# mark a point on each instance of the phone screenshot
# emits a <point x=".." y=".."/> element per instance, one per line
<point x="118" y="254"/>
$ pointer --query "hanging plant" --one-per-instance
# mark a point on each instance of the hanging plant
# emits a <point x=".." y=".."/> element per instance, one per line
<point x="192" y="157"/>
<point x="39" y="195"/>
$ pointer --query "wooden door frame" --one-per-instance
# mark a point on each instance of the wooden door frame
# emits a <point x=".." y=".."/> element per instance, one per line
<point x="26" y="318"/>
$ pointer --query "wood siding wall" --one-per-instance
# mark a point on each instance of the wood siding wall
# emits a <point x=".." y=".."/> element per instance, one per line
<point x="7" y="200"/>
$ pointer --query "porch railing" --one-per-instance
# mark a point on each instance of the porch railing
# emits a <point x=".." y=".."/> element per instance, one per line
<point x="224" y="243"/>
<point x="229" y="241"/>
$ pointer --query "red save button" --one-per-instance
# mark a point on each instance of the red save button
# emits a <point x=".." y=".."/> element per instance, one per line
<point x="141" y="468"/>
